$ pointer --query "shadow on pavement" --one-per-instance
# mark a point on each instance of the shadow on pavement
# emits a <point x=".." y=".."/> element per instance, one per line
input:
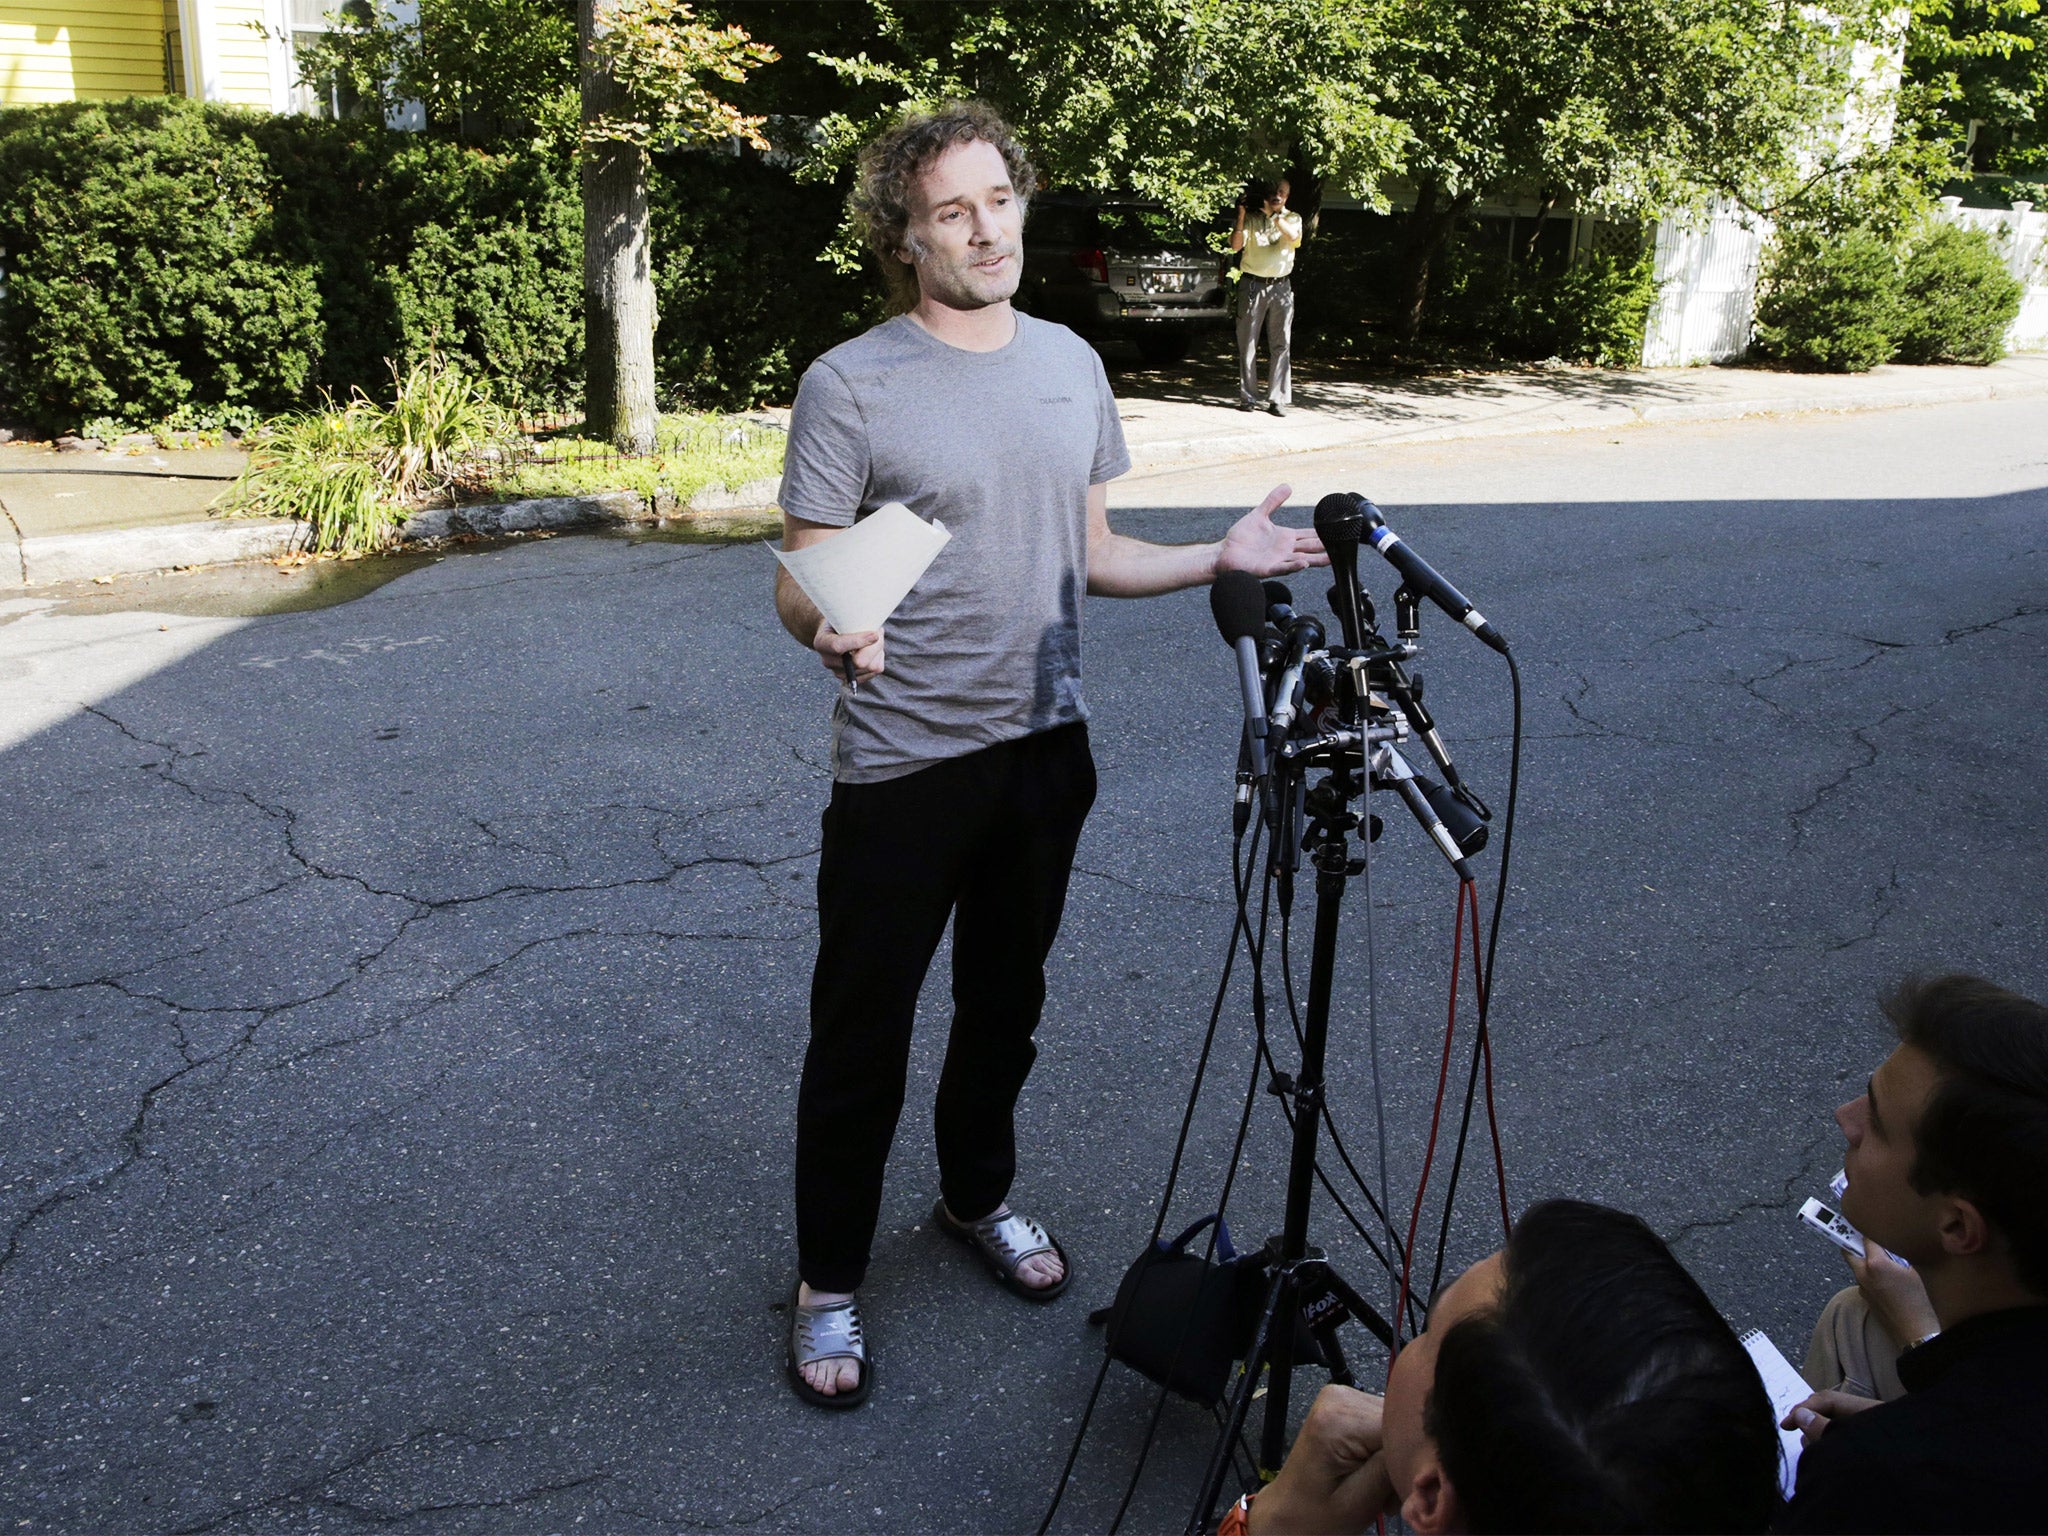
<point x="405" y="998"/>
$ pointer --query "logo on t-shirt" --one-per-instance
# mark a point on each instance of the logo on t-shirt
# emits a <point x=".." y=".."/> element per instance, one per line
<point x="1055" y="399"/>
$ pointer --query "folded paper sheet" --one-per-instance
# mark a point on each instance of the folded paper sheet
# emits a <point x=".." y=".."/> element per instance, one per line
<point x="1787" y="1389"/>
<point x="858" y="577"/>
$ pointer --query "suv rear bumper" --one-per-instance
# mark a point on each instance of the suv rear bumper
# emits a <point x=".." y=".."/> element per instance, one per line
<point x="1113" y="313"/>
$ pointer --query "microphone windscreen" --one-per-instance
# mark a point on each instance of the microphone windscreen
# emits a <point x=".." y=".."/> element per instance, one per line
<point x="1277" y="595"/>
<point x="1239" y="604"/>
<point x="1337" y="517"/>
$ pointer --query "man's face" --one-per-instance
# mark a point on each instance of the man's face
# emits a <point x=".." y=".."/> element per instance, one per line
<point x="1410" y="1453"/>
<point x="966" y="229"/>
<point x="1277" y="201"/>
<point x="1882" y="1127"/>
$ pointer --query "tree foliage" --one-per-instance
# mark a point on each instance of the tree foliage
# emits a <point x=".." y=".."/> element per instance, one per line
<point x="659" y="54"/>
<point x="1980" y="73"/>
<point x="1436" y="104"/>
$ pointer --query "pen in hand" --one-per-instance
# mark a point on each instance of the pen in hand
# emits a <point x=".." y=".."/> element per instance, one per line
<point x="846" y="666"/>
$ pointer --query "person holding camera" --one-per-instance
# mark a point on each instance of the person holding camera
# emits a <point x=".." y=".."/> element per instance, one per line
<point x="1578" y="1380"/>
<point x="1948" y="1169"/>
<point x="1267" y="241"/>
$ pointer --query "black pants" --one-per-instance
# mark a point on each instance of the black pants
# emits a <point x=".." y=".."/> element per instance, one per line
<point x="989" y="838"/>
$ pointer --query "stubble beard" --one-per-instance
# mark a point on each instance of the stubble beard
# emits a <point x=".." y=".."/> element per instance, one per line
<point x="961" y="284"/>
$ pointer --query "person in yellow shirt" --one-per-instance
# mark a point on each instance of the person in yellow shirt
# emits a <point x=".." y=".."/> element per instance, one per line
<point x="1265" y="295"/>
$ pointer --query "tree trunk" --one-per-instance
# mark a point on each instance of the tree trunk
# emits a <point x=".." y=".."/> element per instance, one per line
<point x="1418" y="247"/>
<point x="1542" y="212"/>
<point x="618" y="272"/>
<point x="1429" y="225"/>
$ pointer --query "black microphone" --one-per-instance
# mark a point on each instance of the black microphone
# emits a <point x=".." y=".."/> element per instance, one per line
<point x="1279" y="603"/>
<point x="1340" y="527"/>
<point x="1418" y="574"/>
<point x="1239" y="604"/>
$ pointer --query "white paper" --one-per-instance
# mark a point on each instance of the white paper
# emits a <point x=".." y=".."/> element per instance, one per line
<point x="858" y="577"/>
<point x="1787" y="1389"/>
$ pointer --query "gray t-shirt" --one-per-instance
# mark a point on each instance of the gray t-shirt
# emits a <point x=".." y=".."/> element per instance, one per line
<point x="1001" y="447"/>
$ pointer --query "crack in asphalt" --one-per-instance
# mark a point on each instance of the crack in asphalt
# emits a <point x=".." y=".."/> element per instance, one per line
<point x="1147" y="890"/>
<point x="449" y="994"/>
<point x="1794" y="1181"/>
<point x="1871" y="753"/>
<point x="376" y="1516"/>
<point x="1884" y="901"/>
<point x="307" y="1491"/>
<point x="133" y="1140"/>
<point x="2026" y="611"/>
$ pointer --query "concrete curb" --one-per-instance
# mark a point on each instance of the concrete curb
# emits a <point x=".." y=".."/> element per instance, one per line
<point x="532" y="516"/>
<point x="1179" y="452"/>
<point x="139" y="551"/>
<point x="133" y="551"/>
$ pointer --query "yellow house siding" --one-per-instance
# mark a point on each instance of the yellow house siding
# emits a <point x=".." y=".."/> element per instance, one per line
<point x="81" y="50"/>
<point x="244" y="55"/>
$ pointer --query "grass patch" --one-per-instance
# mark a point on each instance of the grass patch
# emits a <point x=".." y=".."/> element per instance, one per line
<point x="692" y="452"/>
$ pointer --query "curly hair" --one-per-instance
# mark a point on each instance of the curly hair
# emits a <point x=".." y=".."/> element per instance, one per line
<point x="892" y="164"/>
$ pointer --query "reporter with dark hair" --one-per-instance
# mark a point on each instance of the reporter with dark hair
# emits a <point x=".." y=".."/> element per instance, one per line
<point x="1578" y="1380"/>
<point x="1948" y="1168"/>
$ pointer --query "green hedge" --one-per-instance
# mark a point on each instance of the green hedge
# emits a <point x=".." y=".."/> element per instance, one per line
<point x="164" y="257"/>
<point x="1845" y="300"/>
<point x="144" y="267"/>
<point x="1959" y="298"/>
<point x="1482" y="298"/>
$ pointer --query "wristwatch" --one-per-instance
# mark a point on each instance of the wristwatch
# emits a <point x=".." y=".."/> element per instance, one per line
<point x="1237" y="1519"/>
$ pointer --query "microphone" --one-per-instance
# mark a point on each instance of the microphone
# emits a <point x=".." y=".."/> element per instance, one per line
<point x="1390" y="769"/>
<point x="1279" y="603"/>
<point x="1304" y="633"/>
<point x="1417" y="572"/>
<point x="1339" y="526"/>
<point x="1239" y="604"/>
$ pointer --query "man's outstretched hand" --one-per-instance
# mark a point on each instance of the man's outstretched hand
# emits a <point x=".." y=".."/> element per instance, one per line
<point x="1257" y="544"/>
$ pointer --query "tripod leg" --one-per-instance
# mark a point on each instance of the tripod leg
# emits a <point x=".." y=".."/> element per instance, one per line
<point x="1240" y="1408"/>
<point x="1333" y="1353"/>
<point x="1360" y="1309"/>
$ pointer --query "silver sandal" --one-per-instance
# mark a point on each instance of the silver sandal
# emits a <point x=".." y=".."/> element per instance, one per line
<point x="1006" y="1243"/>
<point x="829" y="1332"/>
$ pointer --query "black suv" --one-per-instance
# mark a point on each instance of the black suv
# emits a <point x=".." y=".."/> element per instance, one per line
<point x="1111" y="267"/>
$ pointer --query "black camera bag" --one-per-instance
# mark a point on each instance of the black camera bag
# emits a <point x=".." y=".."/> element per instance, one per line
<point x="1183" y="1320"/>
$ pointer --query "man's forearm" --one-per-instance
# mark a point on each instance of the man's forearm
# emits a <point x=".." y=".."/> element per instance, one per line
<point x="794" y="607"/>
<point x="1125" y="567"/>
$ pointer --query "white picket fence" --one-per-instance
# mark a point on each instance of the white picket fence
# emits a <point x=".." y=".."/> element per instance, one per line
<point x="1706" y="287"/>
<point x="1707" y="270"/>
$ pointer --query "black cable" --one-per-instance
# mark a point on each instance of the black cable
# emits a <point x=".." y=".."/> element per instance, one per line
<point x="1337" y="1141"/>
<point x="1240" y="928"/>
<point x="1255" y="953"/>
<point x="1479" y="1037"/>
<point x="1330" y="1125"/>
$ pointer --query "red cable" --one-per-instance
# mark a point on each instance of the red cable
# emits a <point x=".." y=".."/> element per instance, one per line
<point x="1500" y="1170"/>
<point x="1436" y="1113"/>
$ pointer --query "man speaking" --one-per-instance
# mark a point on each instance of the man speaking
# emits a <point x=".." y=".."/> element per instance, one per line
<point x="961" y="772"/>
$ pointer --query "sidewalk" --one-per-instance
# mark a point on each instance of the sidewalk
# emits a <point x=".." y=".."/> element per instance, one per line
<point x="76" y="516"/>
<point x="1189" y="415"/>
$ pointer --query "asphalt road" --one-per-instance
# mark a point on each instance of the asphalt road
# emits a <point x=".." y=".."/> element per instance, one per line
<point x="402" y="1000"/>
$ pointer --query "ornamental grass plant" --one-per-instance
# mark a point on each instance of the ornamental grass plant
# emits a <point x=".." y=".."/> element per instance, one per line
<point x="351" y="473"/>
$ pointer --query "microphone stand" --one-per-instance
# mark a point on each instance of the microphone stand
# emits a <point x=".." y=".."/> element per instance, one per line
<point x="1306" y="1299"/>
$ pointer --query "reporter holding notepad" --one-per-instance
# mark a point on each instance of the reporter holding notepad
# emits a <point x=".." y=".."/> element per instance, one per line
<point x="961" y="770"/>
